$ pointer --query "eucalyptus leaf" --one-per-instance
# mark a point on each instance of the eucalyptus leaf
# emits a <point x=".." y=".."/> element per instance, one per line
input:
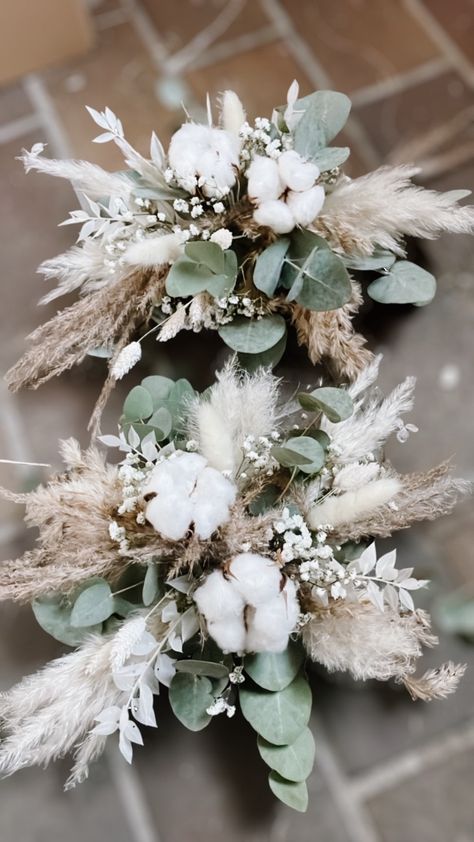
<point x="138" y="404"/>
<point x="321" y="282"/>
<point x="163" y="422"/>
<point x="268" y="266"/>
<point x="293" y="762"/>
<point x="303" y="452"/>
<point x="325" y="114"/>
<point x="190" y="696"/>
<point x="294" y="795"/>
<point x="331" y="157"/>
<point x="265" y="500"/>
<point x="123" y="607"/>
<point x="378" y="260"/>
<point x="336" y="404"/>
<point x="279" y="717"/>
<point x="253" y="336"/>
<point x="274" y="671"/>
<point x="53" y="614"/>
<point x="197" y="667"/>
<point x="150" y="585"/>
<point x="266" y="359"/>
<point x="206" y="253"/>
<point x="93" y="605"/>
<point x="159" y="388"/>
<point x="405" y="283"/>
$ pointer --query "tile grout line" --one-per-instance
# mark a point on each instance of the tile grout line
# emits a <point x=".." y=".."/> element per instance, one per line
<point x="236" y="46"/>
<point x="402" y="82"/>
<point x="134" y="802"/>
<point x="44" y="107"/>
<point x="303" y="55"/>
<point x="440" y="37"/>
<point x="386" y="775"/>
<point x="358" y="826"/>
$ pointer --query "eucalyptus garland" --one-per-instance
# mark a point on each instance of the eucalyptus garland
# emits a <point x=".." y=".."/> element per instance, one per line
<point x="227" y="540"/>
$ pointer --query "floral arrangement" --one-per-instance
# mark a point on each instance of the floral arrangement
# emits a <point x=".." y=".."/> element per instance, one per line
<point x="232" y="540"/>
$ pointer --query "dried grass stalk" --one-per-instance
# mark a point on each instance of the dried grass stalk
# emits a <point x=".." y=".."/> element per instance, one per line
<point x="424" y="496"/>
<point x="330" y="335"/>
<point x="436" y="683"/>
<point x="105" y="317"/>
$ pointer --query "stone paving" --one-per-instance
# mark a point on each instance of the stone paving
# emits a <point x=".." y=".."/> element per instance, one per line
<point x="388" y="770"/>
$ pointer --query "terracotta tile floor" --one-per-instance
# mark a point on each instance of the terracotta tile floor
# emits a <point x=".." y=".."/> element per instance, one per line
<point x="407" y="65"/>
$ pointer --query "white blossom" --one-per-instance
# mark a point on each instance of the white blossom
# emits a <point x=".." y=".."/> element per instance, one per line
<point x="204" y="155"/>
<point x="223" y="238"/>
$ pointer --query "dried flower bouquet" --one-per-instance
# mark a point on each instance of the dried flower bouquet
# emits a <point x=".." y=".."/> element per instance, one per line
<point x="234" y="538"/>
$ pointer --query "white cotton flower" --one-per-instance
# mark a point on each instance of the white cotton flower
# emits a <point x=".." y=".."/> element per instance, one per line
<point x="223" y="238"/>
<point x="202" y="152"/>
<point x="275" y="215"/>
<point x="154" y="251"/>
<point x="305" y="206"/>
<point x="217" y="598"/>
<point x="187" y="491"/>
<point x="264" y="180"/>
<point x="271" y="623"/>
<point x="232" y="113"/>
<point x="295" y="172"/>
<point x="255" y="577"/>
<point x="126" y="360"/>
<point x="229" y="634"/>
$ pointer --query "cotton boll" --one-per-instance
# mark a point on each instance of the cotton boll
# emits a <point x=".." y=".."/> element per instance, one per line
<point x="212" y="497"/>
<point x="296" y="173"/>
<point x="232" y="113"/>
<point x="264" y="182"/>
<point x="272" y="622"/>
<point x="354" y="505"/>
<point x="306" y="206"/>
<point x="198" y="151"/>
<point x="229" y="634"/>
<point x="181" y="473"/>
<point x="217" y="599"/>
<point x="275" y="215"/>
<point x="154" y="251"/>
<point x="170" y="515"/>
<point x="256" y="578"/>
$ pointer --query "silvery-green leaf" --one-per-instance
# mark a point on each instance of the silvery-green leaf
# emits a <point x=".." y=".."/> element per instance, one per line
<point x="267" y="359"/>
<point x="330" y="157"/>
<point x="335" y="403"/>
<point x="274" y="671"/>
<point x="326" y="113"/>
<point x="279" y="717"/>
<point x="293" y="762"/>
<point x="150" y="585"/>
<point x="190" y="696"/>
<point x="294" y="795"/>
<point x="159" y="388"/>
<point x="253" y="336"/>
<point x="54" y="616"/>
<point x="162" y="420"/>
<point x="303" y="452"/>
<point x="208" y="254"/>
<point x="93" y="605"/>
<point x="378" y="260"/>
<point x="405" y="283"/>
<point x="123" y="607"/>
<point x="209" y="668"/>
<point x="321" y="281"/>
<point x="138" y="404"/>
<point x="455" y="612"/>
<point x="103" y="352"/>
<point x="181" y="392"/>
<point x="268" y="266"/>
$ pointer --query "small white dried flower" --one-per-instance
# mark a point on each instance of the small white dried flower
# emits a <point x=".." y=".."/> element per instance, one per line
<point x="126" y="360"/>
<point x="223" y="238"/>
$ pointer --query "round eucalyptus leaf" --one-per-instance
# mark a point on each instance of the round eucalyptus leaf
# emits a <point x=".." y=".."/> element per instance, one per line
<point x="325" y="114"/>
<point x="253" y="336"/>
<point x="378" y="260"/>
<point x="303" y="452"/>
<point x="336" y="404"/>
<point x="293" y="762"/>
<point x="159" y="388"/>
<point x="268" y="266"/>
<point x="322" y="282"/>
<point x="93" y="605"/>
<point x="406" y="283"/>
<point x="209" y="668"/>
<point x="163" y="421"/>
<point x="190" y="696"/>
<point x="209" y="254"/>
<point x="266" y="359"/>
<point x="280" y="716"/>
<point x="54" y="616"/>
<point x="330" y="157"/>
<point x="275" y="670"/>
<point x="294" y="795"/>
<point x="138" y="404"/>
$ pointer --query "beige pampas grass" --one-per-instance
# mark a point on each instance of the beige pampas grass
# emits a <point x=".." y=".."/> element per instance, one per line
<point x="436" y="683"/>
<point x="108" y="316"/>
<point x="352" y="506"/>
<point x="48" y="714"/>
<point x="84" y="176"/>
<point x="82" y="267"/>
<point x="380" y="208"/>
<point x="330" y="336"/>
<point x="368" y="643"/>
